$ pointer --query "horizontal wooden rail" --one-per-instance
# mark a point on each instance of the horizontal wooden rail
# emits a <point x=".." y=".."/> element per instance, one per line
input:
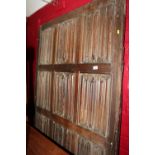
<point x="82" y="131"/>
<point x="83" y="68"/>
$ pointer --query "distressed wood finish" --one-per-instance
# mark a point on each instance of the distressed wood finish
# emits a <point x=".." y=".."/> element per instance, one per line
<point x="63" y="95"/>
<point x="42" y="123"/>
<point x="94" y="102"/>
<point x="66" y="42"/>
<point x="95" y="36"/>
<point x="83" y="68"/>
<point x="43" y="97"/>
<point x="47" y="46"/>
<point x="74" y="142"/>
<point x="78" y="94"/>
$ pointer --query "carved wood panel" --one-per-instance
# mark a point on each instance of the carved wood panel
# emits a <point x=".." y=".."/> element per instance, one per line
<point x="96" y="36"/>
<point x="42" y="123"/>
<point x="64" y="95"/>
<point x="74" y="142"/>
<point x="66" y="42"/>
<point x="94" y="102"/>
<point x="46" y="46"/>
<point x="79" y="76"/>
<point x="43" y="93"/>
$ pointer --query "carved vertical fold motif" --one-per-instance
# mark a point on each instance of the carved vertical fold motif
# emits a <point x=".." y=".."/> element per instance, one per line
<point x="63" y="95"/>
<point x="43" y="96"/>
<point x="63" y="136"/>
<point x="74" y="142"/>
<point x="42" y="123"/>
<point x="66" y="41"/>
<point x="57" y="133"/>
<point x="96" y="36"/>
<point x="46" y="46"/>
<point x="94" y="102"/>
<point x="86" y="101"/>
<point x="86" y="147"/>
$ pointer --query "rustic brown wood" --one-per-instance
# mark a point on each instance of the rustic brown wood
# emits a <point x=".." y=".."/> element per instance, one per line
<point x="78" y="95"/>
<point x="37" y="144"/>
<point x="84" y="132"/>
<point x="83" y="68"/>
<point x="117" y="70"/>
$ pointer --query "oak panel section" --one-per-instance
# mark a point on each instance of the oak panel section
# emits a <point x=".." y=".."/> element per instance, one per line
<point x="86" y="38"/>
<point x="86" y="63"/>
<point x="94" y="95"/>
<point x="42" y="123"/>
<point x="44" y="85"/>
<point x="64" y="95"/>
<point x="66" y="42"/>
<point x="74" y="142"/>
<point x="95" y="138"/>
<point x="96" y="36"/>
<point x="46" y="48"/>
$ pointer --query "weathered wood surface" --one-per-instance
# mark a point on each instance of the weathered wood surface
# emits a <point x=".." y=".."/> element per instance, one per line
<point x="79" y="76"/>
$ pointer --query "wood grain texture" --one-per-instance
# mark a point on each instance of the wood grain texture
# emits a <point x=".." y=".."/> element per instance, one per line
<point x="46" y="46"/>
<point x="66" y="42"/>
<point x="83" y="68"/>
<point x="74" y="142"/>
<point x="88" y="35"/>
<point x="92" y="136"/>
<point x="85" y="60"/>
<point x="63" y="95"/>
<point x="42" y="123"/>
<point x="94" y="102"/>
<point x="43" y="96"/>
<point x="95" y="36"/>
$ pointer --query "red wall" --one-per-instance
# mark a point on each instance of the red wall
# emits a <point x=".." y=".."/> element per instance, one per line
<point x="124" y="139"/>
<point x="50" y="12"/>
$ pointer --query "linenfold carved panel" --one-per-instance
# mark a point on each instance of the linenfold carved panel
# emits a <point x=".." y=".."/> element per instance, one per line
<point x="74" y="142"/>
<point x="79" y="77"/>
<point x="88" y="36"/>
<point x="66" y="41"/>
<point x="46" y="46"/>
<point x="96" y="36"/>
<point x="43" y="96"/>
<point x="94" y="102"/>
<point x="63" y="136"/>
<point x="42" y="123"/>
<point x="63" y="95"/>
<point x="86" y="147"/>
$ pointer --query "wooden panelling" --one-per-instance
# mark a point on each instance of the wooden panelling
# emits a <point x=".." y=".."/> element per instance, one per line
<point x="74" y="142"/>
<point x="86" y="147"/>
<point x="44" y="85"/>
<point x="83" y="39"/>
<point x="46" y="46"/>
<point x="66" y="42"/>
<point x="88" y="134"/>
<point x="63" y="136"/>
<point x="94" y="102"/>
<point x="96" y="35"/>
<point x="42" y="123"/>
<point x="63" y="95"/>
<point x="79" y="78"/>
